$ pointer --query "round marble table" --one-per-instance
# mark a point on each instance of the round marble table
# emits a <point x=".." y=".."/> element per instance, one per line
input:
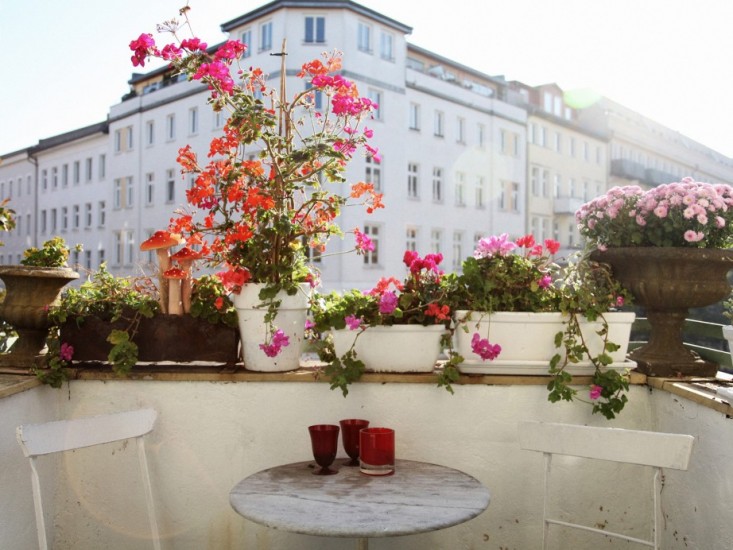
<point x="418" y="497"/>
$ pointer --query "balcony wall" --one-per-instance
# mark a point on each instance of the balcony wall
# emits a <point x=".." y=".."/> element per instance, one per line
<point x="212" y="434"/>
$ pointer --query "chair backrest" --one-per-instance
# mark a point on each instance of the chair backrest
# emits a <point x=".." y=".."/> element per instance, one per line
<point x="64" y="435"/>
<point x="644" y="448"/>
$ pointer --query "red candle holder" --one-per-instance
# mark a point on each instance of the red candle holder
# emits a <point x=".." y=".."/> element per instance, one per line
<point x="376" y="451"/>
<point x="324" y="440"/>
<point x="350" y="429"/>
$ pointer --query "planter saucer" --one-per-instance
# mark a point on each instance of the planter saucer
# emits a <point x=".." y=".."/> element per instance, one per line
<point x="537" y="368"/>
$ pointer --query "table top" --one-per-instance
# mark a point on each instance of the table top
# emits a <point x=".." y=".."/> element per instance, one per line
<point x="418" y="497"/>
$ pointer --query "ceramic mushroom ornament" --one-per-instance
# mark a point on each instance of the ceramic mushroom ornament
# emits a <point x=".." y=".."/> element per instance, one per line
<point x="185" y="257"/>
<point x="175" y="276"/>
<point x="161" y="242"/>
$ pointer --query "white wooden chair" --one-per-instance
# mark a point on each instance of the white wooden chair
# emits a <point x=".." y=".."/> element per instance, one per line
<point x="64" y="435"/>
<point x="658" y="450"/>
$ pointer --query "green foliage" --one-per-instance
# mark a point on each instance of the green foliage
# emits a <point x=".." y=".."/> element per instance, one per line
<point x="53" y="253"/>
<point x="57" y="372"/>
<point x="124" y="353"/>
<point x="210" y="302"/>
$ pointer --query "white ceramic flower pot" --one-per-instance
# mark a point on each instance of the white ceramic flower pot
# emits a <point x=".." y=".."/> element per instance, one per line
<point x="396" y="348"/>
<point x="728" y="335"/>
<point x="253" y="330"/>
<point x="527" y="341"/>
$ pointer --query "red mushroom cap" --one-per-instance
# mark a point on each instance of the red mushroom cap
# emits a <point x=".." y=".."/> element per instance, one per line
<point x="161" y="239"/>
<point x="185" y="254"/>
<point x="175" y="273"/>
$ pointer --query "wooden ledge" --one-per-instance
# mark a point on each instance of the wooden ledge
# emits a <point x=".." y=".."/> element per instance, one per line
<point x="698" y="390"/>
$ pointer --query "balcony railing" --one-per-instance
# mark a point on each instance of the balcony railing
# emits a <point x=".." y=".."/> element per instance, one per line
<point x="628" y="169"/>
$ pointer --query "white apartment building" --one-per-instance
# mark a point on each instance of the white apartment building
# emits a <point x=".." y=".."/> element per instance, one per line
<point x="459" y="152"/>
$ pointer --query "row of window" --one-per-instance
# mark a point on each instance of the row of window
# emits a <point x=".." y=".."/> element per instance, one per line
<point x="70" y="173"/>
<point x="15" y="189"/>
<point x="538" y="134"/>
<point x="413" y="241"/>
<point x="540" y="186"/>
<point x="77" y="259"/>
<point x="647" y="160"/>
<point x="62" y="219"/>
<point x="539" y="226"/>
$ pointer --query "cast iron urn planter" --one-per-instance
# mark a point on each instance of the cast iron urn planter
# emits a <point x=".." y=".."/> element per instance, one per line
<point x="667" y="282"/>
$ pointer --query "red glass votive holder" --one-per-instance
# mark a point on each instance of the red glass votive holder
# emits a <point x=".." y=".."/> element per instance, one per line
<point x="350" y="430"/>
<point x="376" y="451"/>
<point x="324" y="440"/>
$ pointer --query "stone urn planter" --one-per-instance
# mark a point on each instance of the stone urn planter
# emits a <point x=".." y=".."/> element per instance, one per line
<point x="667" y="282"/>
<point x="30" y="291"/>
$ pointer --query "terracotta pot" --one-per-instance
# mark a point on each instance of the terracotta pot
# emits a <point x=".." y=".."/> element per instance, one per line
<point x="667" y="282"/>
<point x="30" y="291"/>
<point x="176" y="338"/>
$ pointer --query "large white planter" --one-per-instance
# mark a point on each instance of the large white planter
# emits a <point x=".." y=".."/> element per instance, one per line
<point x="396" y="348"/>
<point x="290" y="319"/>
<point x="728" y="335"/>
<point x="527" y="341"/>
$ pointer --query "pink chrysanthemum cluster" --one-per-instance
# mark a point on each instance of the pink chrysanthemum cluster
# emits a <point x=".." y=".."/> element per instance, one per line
<point x="686" y="213"/>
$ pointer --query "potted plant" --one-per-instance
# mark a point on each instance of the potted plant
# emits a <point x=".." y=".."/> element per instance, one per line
<point x="397" y="326"/>
<point x="670" y="247"/>
<point x="31" y="288"/>
<point x="118" y="320"/>
<point x="519" y="312"/>
<point x="269" y="189"/>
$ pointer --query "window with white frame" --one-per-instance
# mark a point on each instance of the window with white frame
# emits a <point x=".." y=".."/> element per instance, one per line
<point x="514" y="197"/>
<point x="101" y="256"/>
<point x="373" y="172"/>
<point x="87" y="215"/>
<point x="557" y="184"/>
<point x="170" y="185"/>
<point x="586" y="151"/>
<point x="54" y="177"/>
<point x="27" y="225"/>
<point x="219" y="119"/>
<point x="457" y="250"/>
<point x="64" y="177"/>
<point x="460" y="189"/>
<point x="535" y="181"/>
<point x="88" y="169"/>
<point x="414" y="116"/>
<point x="193" y="120"/>
<point x="437" y="184"/>
<point x="413" y="181"/>
<point x="149" y="133"/>
<point x="371" y="257"/>
<point x="316" y="94"/>
<point x="246" y="39"/>
<point x="438" y="121"/>
<point x="461" y="130"/>
<point x="480" y="192"/>
<point x="129" y="195"/>
<point x="364" y="37"/>
<point x="102" y="166"/>
<point x="119" y="247"/>
<point x="88" y="259"/>
<point x="150" y="188"/>
<point x="44" y="221"/>
<point x="571" y="187"/>
<point x="123" y="139"/>
<point x="376" y="97"/>
<point x="266" y="36"/>
<point x="315" y="30"/>
<point x="44" y="179"/>
<point x="411" y="234"/>
<point x="76" y="217"/>
<point x="170" y="127"/>
<point x="545" y="183"/>
<point x="481" y="132"/>
<point x="386" y="46"/>
<point x="436" y="241"/>
<point x="117" y="193"/>
<point x="558" y="142"/>
<point x="599" y="154"/>
<point x="122" y="193"/>
<point x="54" y="220"/>
<point x="586" y="190"/>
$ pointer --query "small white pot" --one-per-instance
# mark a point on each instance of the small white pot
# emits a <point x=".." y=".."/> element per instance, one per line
<point x="396" y="348"/>
<point x="527" y="341"/>
<point x="253" y="331"/>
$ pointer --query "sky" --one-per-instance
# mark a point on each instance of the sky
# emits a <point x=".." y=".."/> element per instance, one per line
<point x="66" y="61"/>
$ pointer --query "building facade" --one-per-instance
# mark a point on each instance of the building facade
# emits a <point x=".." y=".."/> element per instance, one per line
<point x="464" y="154"/>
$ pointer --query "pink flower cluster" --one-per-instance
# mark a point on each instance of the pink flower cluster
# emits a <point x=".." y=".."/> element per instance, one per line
<point x="278" y="341"/>
<point x="66" y="352"/>
<point x="685" y="213"/>
<point x="416" y="264"/>
<point x="363" y="242"/>
<point x="484" y="349"/>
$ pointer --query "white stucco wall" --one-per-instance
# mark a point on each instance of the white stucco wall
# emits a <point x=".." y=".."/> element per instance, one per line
<point x="211" y="435"/>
